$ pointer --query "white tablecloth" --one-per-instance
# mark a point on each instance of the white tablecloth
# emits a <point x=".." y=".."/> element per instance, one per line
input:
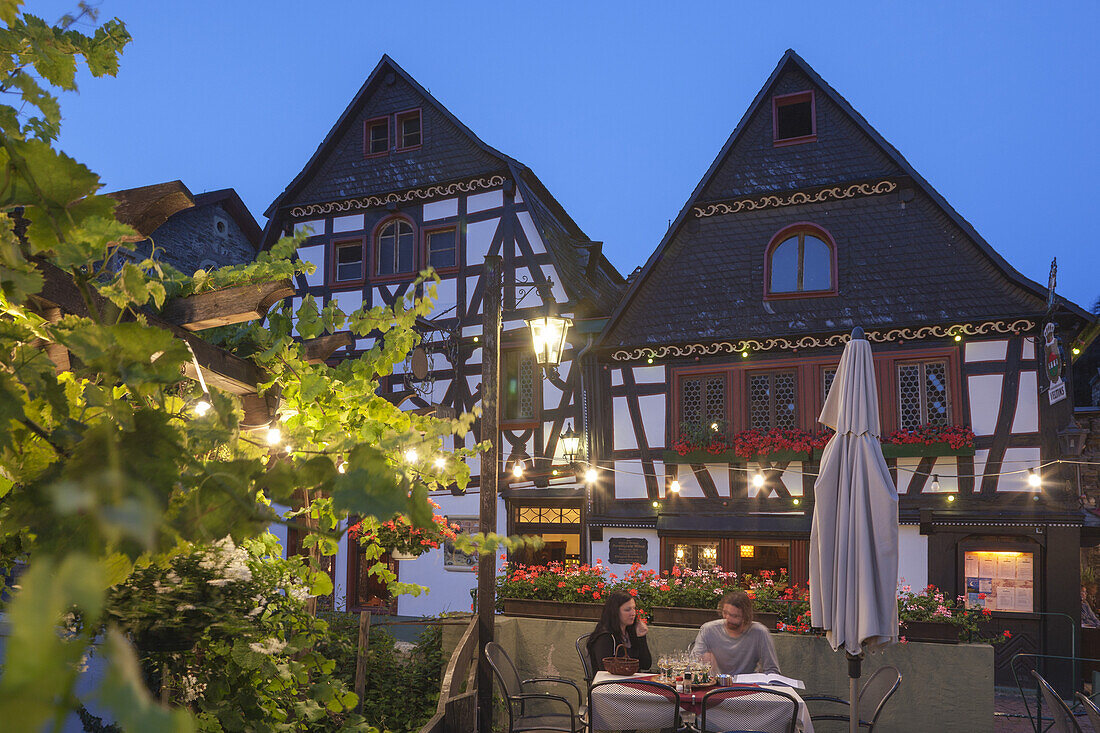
<point x="620" y="707"/>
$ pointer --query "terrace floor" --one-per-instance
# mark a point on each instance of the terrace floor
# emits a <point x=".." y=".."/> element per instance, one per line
<point x="1007" y="700"/>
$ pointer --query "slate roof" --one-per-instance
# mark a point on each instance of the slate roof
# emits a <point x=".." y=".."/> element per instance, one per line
<point x="906" y="258"/>
<point x="233" y="205"/>
<point x="450" y="152"/>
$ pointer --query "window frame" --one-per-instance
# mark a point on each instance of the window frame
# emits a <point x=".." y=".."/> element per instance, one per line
<point x="948" y="393"/>
<point x="398" y="117"/>
<point x="771" y="371"/>
<point x="800" y="229"/>
<point x="367" y="125"/>
<point x="376" y="232"/>
<point x="535" y="420"/>
<point x="337" y="243"/>
<point x="729" y="549"/>
<point x="786" y="100"/>
<point x="425" y="253"/>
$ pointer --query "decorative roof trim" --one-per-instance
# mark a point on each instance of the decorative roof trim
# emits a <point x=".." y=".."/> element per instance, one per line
<point x="836" y="339"/>
<point x="398" y="197"/>
<point x="772" y="201"/>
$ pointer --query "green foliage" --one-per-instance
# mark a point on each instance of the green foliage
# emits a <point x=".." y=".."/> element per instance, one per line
<point x="109" y="481"/>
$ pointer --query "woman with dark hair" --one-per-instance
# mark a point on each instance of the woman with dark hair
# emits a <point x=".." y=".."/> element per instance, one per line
<point x="619" y="624"/>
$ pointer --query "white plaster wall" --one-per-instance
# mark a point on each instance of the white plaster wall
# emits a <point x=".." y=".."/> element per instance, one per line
<point x="649" y="375"/>
<point x="986" y="350"/>
<point x="629" y="481"/>
<point x="533" y="237"/>
<point x="1026" y="419"/>
<point x="617" y="377"/>
<point x="1028" y="351"/>
<point x="449" y="589"/>
<point x="340" y="582"/>
<point x="980" y="457"/>
<point x="602" y="550"/>
<point x="352" y="223"/>
<point x="312" y="228"/>
<point x="652" y="408"/>
<point x="624" y="438"/>
<point x="440" y="209"/>
<point x="348" y="301"/>
<point x="446" y="298"/>
<point x="479" y="236"/>
<point x="985" y="402"/>
<point x="316" y="256"/>
<point x="912" y="557"/>
<point x="485" y="201"/>
<point x="1018" y="459"/>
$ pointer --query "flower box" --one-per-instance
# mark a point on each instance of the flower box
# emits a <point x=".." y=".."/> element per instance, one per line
<point x="920" y="450"/>
<point x="930" y="631"/>
<point x="399" y="555"/>
<point x="552" y="609"/>
<point x="697" y="457"/>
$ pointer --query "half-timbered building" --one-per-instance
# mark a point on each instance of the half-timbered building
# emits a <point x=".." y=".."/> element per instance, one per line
<point x="399" y="185"/>
<point x="807" y="224"/>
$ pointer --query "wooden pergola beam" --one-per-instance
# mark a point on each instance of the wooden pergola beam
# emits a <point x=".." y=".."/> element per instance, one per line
<point x="321" y="348"/>
<point x="219" y="368"/>
<point x="227" y="306"/>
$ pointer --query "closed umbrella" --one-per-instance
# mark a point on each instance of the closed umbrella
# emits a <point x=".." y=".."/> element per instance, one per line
<point x="854" y="537"/>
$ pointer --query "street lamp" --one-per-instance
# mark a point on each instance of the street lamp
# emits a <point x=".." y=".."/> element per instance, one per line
<point x="570" y="443"/>
<point x="1071" y="439"/>
<point x="548" y="334"/>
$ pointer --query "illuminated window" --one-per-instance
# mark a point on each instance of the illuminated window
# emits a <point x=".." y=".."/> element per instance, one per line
<point x="695" y="555"/>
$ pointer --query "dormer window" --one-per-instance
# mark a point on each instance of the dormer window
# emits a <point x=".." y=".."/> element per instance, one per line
<point x="408" y="129"/>
<point x="794" y="119"/>
<point x="377" y="136"/>
<point x="800" y="261"/>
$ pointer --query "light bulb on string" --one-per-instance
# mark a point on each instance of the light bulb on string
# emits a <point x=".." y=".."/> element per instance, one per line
<point x="411" y="455"/>
<point x="674" y="487"/>
<point x="656" y="504"/>
<point x="203" y="406"/>
<point x="274" y="436"/>
<point x="758" y="480"/>
<point x="440" y="463"/>
<point x="591" y="475"/>
<point x="950" y="498"/>
<point x="517" y="469"/>
<point x="936" y="482"/>
<point x="1034" y="480"/>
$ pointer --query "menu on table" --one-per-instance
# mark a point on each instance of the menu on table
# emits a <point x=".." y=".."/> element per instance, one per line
<point x="1000" y="580"/>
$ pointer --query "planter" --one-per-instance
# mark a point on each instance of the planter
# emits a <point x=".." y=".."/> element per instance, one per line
<point x="920" y="450"/>
<point x="397" y="555"/>
<point x="697" y="457"/>
<point x="930" y="631"/>
<point x="696" y="617"/>
<point x="783" y="456"/>
<point x="552" y="609"/>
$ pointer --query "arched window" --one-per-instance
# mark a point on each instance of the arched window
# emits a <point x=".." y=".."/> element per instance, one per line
<point x="800" y="260"/>
<point x="395" y="248"/>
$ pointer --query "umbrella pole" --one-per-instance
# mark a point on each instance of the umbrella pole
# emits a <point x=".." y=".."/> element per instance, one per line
<point x="855" y="661"/>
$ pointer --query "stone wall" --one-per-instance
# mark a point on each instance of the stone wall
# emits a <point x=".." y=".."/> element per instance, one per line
<point x="945" y="687"/>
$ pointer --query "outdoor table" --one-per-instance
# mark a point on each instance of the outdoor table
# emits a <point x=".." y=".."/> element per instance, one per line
<point x="626" y="705"/>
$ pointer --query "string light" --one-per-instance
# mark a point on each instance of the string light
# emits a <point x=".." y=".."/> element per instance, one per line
<point x="342" y="467"/>
<point x="758" y="480"/>
<point x="950" y="498"/>
<point x="440" y="463"/>
<point x="796" y="502"/>
<point x="649" y="360"/>
<point x="958" y="337"/>
<point x="554" y="472"/>
<point x="745" y="354"/>
<point x="517" y="469"/>
<point x="274" y="436"/>
<point x="936" y="482"/>
<point x="674" y="487"/>
<point x="656" y="504"/>
<point x="714" y="426"/>
<point x="203" y="406"/>
<point x="1076" y="350"/>
<point x="411" y="455"/>
<point x="1034" y="480"/>
<point x="591" y="475"/>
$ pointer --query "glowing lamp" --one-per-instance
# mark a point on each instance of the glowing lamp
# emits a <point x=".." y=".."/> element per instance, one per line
<point x="748" y="550"/>
<point x="203" y="406"/>
<point x="570" y="443"/>
<point x="1034" y="480"/>
<point x="548" y="334"/>
<point x="591" y="475"/>
<point x="274" y="436"/>
<point x="674" y="487"/>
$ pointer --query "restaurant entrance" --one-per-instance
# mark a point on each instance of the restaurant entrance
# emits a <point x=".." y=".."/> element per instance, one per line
<point x="557" y="522"/>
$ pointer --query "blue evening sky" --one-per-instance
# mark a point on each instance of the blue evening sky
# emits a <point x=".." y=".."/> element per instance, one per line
<point x="621" y="107"/>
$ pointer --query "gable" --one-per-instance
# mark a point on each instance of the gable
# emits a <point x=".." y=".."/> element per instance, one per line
<point x="904" y="257"/>
<point x="445" y="154"/>
<point x="842" y="152"/>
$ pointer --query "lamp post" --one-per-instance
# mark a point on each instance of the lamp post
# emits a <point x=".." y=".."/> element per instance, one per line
<point x="548" y="334"/>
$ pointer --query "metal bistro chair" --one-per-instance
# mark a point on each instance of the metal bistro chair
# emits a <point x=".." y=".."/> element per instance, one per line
<point x="627" y="704"/>
<point x="876" y="691"/>
<point x="586" y="661"/>
<point x="524" y="712"/>
<point x="748" y="709"/>
<point x="1090" y="710"/>
<point x="1064" y="720"/>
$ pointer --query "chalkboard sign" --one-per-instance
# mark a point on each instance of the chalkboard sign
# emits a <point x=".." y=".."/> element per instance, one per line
<point x="628" y="550"/>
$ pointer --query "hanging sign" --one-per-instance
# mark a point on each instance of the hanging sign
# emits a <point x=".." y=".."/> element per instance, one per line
<point x="1052" y="283"/>
<point x="1056" y="392"/>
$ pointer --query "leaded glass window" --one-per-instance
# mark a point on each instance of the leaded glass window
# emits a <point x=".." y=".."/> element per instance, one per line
<point x="519" y="380"/>
<point x="773" y="400"/>
<point x="922" y="395"/>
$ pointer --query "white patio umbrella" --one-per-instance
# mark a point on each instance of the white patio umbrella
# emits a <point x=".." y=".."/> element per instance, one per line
<point x="854" y="537"/>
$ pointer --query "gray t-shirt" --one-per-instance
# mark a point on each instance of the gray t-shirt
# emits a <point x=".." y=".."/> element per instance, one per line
<point x="745" y="654"/>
